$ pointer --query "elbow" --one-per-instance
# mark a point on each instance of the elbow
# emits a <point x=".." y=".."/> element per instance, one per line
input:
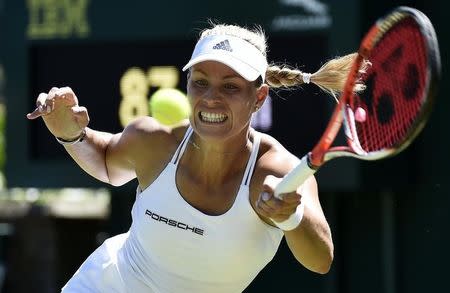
<point x="324" y="265"/>
<point x="324" y="268"/>
<point x="320" y="264"/>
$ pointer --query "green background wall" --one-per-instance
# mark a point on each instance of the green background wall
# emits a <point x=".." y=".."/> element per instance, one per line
<point x="389" y="219"/>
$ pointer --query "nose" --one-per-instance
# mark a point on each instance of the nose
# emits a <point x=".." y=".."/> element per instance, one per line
<point x="212" y="95"/>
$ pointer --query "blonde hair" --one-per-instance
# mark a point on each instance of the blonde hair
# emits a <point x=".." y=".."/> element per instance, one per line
<point x="330" y="77"/>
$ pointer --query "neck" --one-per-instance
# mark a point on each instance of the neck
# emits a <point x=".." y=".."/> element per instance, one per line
<point x="220" y="150"/>
<point x="214" y="164"/>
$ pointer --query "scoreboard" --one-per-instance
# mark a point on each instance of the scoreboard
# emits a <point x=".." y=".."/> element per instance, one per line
<point x="115" y="54"/>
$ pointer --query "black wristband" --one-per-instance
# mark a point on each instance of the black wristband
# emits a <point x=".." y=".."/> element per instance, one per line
<point x="73" y="141"/>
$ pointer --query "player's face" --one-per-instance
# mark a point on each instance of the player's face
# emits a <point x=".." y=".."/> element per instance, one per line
<point x="222" y="101"/>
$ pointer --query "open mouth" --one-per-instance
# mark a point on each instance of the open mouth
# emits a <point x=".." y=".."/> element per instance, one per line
<point x="212" y="117"/>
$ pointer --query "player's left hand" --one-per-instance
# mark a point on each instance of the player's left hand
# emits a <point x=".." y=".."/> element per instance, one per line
<point x="271" y="207"/>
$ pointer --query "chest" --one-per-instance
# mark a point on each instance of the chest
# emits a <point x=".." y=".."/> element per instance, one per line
<point x="175" y="235"/>
<point x="213" y="199"/>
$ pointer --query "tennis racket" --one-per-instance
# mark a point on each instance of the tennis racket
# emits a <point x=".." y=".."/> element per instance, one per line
<point x="400" y="87"/>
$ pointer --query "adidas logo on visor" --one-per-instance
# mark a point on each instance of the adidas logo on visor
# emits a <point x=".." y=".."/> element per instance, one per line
<point x="224" y="45"/>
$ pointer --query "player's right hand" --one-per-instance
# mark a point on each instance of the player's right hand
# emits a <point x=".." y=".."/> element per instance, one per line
<point x="61" y="113"/>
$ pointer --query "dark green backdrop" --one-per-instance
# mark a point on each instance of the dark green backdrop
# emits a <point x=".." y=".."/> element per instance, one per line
<point x="389" y="218"/>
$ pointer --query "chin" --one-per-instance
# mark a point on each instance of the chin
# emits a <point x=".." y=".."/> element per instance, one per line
<point x="214" y="131"/>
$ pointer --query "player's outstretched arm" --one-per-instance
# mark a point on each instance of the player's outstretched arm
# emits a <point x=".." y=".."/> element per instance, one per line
<point x="100" y="154"/>
<point x="299" y="214"/>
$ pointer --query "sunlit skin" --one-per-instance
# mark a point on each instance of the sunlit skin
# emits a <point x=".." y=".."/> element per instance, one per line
<point x="211" y="169"/>
<point x="214" y="167"/>
<point x="215" y="88"/>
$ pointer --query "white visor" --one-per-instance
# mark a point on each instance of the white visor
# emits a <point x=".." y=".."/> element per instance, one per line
<point x="240" y="55"/>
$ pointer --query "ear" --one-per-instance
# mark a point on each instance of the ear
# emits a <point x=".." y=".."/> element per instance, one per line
<point x="261" y="94"/>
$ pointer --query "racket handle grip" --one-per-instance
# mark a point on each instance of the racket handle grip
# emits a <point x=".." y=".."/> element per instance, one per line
<point x="295" y="177"/>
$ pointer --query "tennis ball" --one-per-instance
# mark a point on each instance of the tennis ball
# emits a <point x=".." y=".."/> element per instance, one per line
<point x="169" y="106"/>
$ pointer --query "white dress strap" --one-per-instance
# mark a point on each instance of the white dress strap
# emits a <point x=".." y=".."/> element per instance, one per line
<point x="252" y="160"/>
<point x="180" y="150"/>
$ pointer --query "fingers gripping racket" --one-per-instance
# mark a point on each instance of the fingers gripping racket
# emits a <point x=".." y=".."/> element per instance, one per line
<point x="400" y="86"/>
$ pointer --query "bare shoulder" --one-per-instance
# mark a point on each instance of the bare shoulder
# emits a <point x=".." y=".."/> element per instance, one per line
<point x="149" y="130"/>
<point x="148" y="146"/>
<point x="147" y="140"/>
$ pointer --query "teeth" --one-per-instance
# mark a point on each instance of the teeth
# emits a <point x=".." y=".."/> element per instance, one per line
<point x="213" y="117"/>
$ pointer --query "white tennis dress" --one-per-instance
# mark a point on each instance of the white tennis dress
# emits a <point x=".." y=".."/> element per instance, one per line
<point x="172" y="247"/>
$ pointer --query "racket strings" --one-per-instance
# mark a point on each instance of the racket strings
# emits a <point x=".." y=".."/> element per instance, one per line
<point x="394" y="88"/>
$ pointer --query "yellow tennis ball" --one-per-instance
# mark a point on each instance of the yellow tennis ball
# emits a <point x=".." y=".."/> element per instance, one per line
<point x="169" y="106"/>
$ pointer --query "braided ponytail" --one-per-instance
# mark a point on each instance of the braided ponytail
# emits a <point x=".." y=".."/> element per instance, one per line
<point x="330" y="77"/>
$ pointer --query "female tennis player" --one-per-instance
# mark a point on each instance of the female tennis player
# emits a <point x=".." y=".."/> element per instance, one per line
<point x="205" y="218"/>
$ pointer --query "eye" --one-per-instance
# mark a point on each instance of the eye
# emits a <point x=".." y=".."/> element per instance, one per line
<point x="230" y="86"/>
<point x="201" y="82"/>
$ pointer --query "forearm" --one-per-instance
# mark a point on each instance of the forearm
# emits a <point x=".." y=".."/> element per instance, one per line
<point x="90" y="154"/>
<point x="311" y="243"/>
<point x="102" y="155"/>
